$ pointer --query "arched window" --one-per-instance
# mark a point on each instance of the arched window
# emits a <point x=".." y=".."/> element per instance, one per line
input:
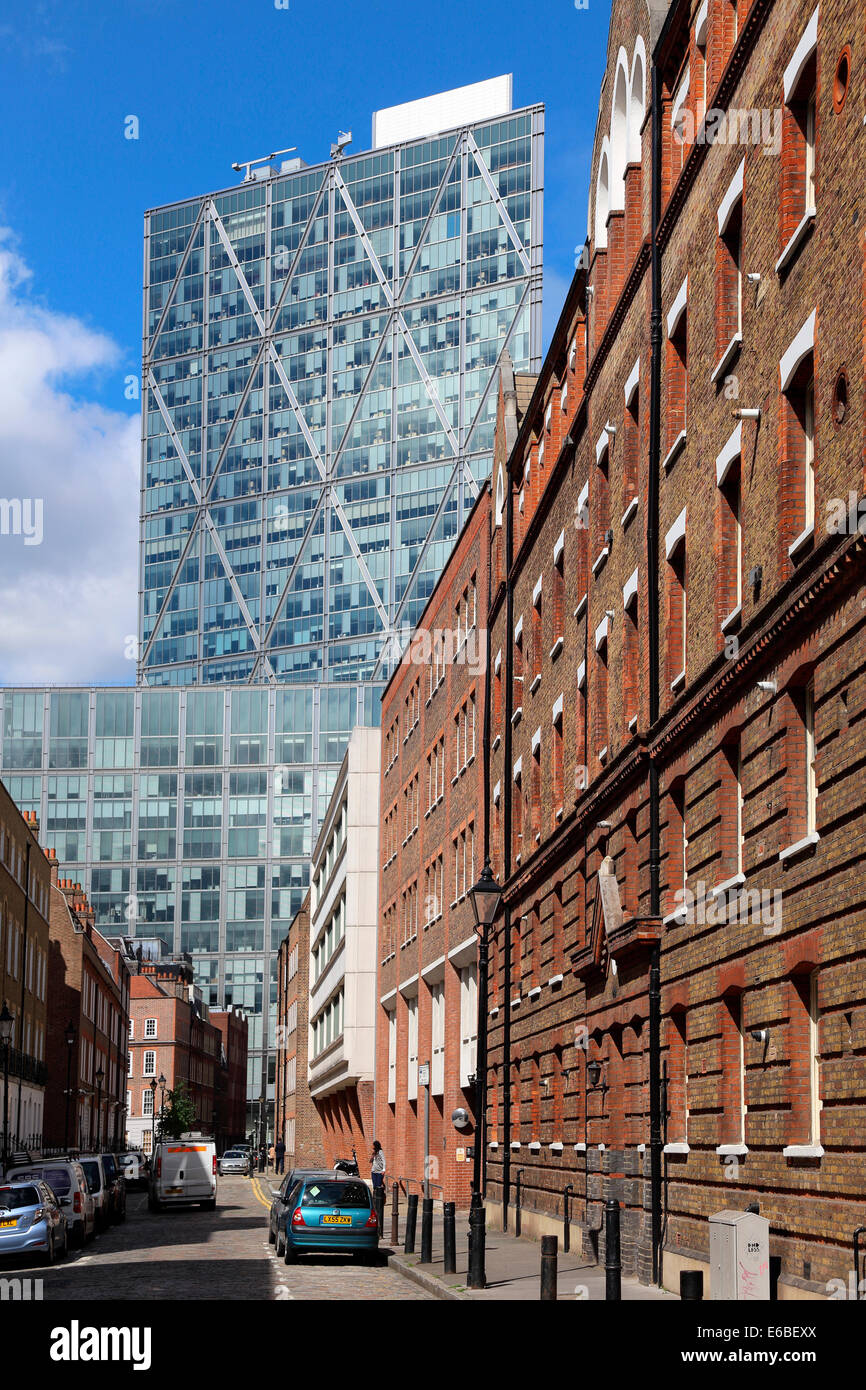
<point x="619" y="133"/>
<point x="602" y="198"/>
<point x="499" y="507"/>
<point x="637" y="105"/>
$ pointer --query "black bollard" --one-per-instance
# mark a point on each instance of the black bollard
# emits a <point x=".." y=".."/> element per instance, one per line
<point x="427" y="1231"/>
<point x="612" y="1262"/>
<point x="449" y="1237"/>
<point x="548" y="1268"/>
<point x="379" y="1207"/>
<point x="411" y="1221"/>
<point x="395" y="1213"/>
<point x="518" y="1175"/>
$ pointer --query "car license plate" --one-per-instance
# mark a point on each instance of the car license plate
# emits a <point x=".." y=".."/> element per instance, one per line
<point x="337" y="1220"/>
<point x="5" y="1224"/>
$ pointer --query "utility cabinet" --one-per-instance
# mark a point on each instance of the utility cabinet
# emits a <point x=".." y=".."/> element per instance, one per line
<point x="739" y="1256"/>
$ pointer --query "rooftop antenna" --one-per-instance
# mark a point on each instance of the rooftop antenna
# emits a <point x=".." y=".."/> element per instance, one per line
<point x="247" y="164"/>
<point x="343" y="139"/>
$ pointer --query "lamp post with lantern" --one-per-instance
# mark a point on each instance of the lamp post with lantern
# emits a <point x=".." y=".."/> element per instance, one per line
<point x="486" y="896"/>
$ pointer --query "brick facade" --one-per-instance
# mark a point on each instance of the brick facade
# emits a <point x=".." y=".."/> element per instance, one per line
<point x="432" y="852"/>
<point x="685" y="784"/>
<point x="297" y="1119"/>
<point x="24" y="953"/>
<point x="89" y="987"/>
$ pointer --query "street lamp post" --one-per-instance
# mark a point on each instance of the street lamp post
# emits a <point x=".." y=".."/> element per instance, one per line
<point x="486" y="896"/>
<point x="100" y="1077"/>
<point x="153" y="1116"/>
<point x="161" y="1104"/>
<point x="69" y="1034"/>
<point x="6" y="1025"/>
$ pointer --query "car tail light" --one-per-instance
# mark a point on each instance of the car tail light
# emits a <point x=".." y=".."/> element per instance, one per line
<point x="214" y="1165"/>
<point x="76" y="1202"/>
<point x="159" y="1165"/>
<point x="298" y="1217"/>
<point x="372" y="1219"/>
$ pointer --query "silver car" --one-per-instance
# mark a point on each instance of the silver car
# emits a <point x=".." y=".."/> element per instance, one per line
<point x="234" y="1161"/>
<point x="32" y="1220"/>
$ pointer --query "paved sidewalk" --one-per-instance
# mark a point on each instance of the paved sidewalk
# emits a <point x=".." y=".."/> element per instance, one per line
<point x="513" y="1266"/>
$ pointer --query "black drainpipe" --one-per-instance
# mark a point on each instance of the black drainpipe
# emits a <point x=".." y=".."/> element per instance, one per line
<point x="654" y="660"/>
<point x="507" y="793"/>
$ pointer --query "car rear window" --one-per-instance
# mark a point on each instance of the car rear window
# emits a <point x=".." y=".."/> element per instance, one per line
<point x="13" y="1198"/>
<point x="92" y="1173"/>
<point x="58" y="1179"/>
<point x="108" y="1164"/>
<point x="336" y="1194"/>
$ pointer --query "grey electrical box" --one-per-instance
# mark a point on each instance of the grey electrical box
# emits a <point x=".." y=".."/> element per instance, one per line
<point x="739" y="1256"/>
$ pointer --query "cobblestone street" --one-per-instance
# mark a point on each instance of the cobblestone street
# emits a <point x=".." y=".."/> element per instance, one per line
<point x="193" y="1254"/>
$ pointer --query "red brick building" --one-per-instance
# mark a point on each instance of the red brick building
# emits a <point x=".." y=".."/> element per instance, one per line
<point x="25" y="879"/>
<point x="296" y="1118"/>
<point x="230" y="1076"/>
<point x="677" y="795"/>
<point x="88" y="987"/>
<point x="432" y="838"/>
<point x="170" y="1035"/>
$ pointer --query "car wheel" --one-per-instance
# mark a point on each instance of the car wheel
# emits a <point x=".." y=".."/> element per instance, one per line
<point x="281" y="1244"/>
<point x="271" y="1237"/>
<point x="50" y="1253"/>
<point x="210" y="1205"/>
<point x="291" y="1255"/>
<point x="92" y="1235"/>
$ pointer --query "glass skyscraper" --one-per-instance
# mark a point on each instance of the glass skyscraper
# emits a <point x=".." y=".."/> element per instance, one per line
<point x="319" y="396"/>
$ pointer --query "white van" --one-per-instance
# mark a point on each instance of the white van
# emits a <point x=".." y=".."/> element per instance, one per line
<point x="183" y="1171"/>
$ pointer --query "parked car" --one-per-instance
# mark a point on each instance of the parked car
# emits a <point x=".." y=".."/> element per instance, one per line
<point x="32" y="1219"/>
<point x="135" y="1168"/>
<point x="116" y="1187"/>
<point x="184" y="1171"/>
<point x="331" y="1214"/>
<point x="94" y="1171"/>
<point x="65" y="1177"/>
<point x="279" y="1210"/>
<point x="234" y="1161"/>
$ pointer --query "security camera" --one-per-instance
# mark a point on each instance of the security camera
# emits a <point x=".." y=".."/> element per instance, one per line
<point x="769" y="687"/>
<point x="760" y="1035"/>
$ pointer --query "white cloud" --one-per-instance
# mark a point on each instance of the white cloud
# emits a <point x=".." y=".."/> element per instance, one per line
<point x="67" y="604"/>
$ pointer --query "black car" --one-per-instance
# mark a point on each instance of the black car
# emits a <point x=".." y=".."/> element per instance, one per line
<point x="115" y="1184"/>
<point x="279" y="1206"/>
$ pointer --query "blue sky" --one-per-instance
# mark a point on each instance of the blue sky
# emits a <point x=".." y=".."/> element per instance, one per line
<point x="210" y="84"/>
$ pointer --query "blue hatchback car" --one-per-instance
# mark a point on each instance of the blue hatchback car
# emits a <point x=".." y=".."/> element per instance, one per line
<point x="31" y="1221"/>
<point x="331" y="1214"/>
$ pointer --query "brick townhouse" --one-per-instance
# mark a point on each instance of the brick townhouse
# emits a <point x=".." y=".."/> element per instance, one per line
<point x="89" y="988"/>
<point x="24" y="906"/>
<point x="171" y="1036"/>
<point x="296" y="1118"/>
<point x="230" y="1102"/>
<point x="677" y="1009"/>
<point x="431" y="854"/>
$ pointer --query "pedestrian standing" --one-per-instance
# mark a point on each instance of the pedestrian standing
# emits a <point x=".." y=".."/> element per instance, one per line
<point x="280" y="1155"/>
<point x="263" y="1156"/>
<point x="377" y="1165"/>
<point x="272" y="1156"/>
